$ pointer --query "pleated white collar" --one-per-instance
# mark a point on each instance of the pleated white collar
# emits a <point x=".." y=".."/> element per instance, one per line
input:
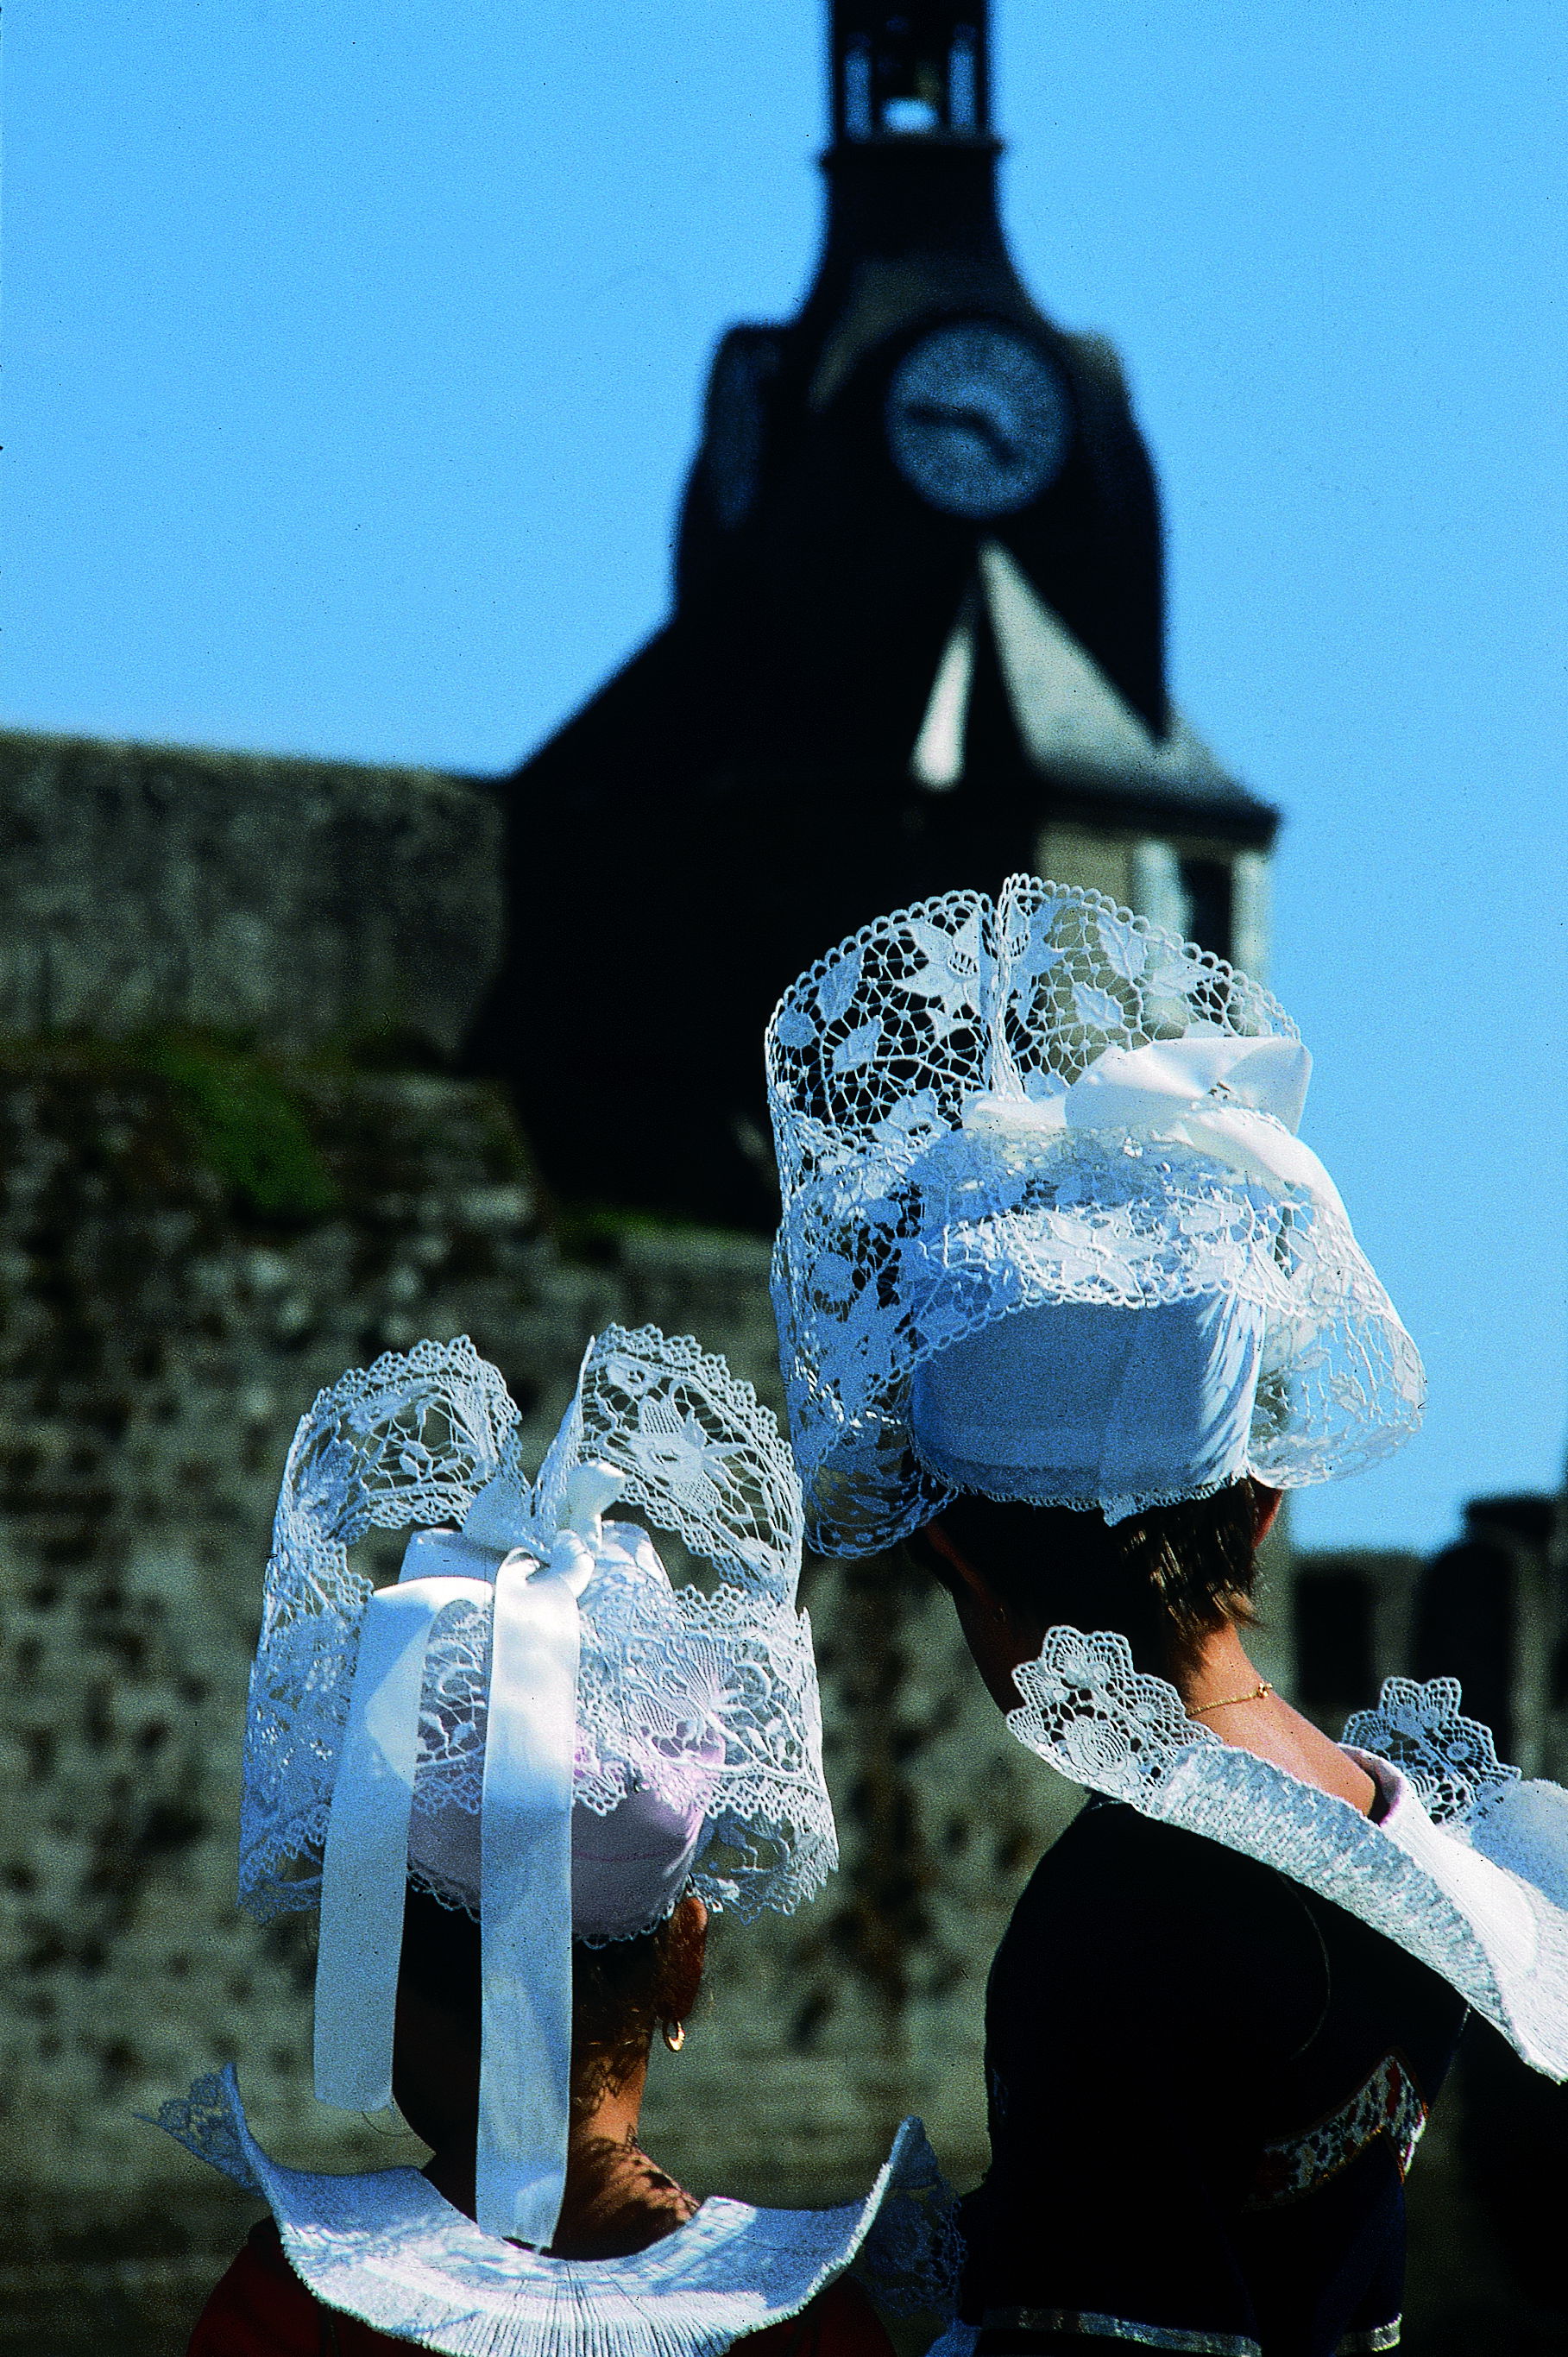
<point x="1466" y="1868"/>
<point x="387" y="2248"/>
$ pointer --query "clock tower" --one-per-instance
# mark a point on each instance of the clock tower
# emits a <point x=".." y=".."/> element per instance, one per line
<point x="918" y="642"/>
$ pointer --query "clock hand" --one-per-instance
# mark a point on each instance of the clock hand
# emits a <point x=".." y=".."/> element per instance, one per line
<point x="969" y="420"/>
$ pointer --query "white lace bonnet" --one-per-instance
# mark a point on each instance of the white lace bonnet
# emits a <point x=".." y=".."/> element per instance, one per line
<point x="1048" y="1229"/>
<point x="533" y="1722"/>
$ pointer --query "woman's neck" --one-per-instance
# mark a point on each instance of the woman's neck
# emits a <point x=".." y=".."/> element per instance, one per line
<point x="1224" y="1690"/>
<point x="616" y="2200"/>
<point x="1221" y="1676"/>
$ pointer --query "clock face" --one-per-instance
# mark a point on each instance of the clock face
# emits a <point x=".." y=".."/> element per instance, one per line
<point x="978" y="419"/>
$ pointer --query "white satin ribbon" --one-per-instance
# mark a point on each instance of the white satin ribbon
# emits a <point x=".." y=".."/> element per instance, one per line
<point x="525" y="1895"/>
<point x="525" y="1900"/>
<point x="1238" y="1099"/>
<point x="365" y="1870"/>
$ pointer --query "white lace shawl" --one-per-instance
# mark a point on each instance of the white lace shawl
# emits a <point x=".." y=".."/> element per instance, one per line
<point x="412" y="1441"/>
<point x="908" y="1224"/>
<point x="1467" y="1869"/>
<point x="387" y="2248"/>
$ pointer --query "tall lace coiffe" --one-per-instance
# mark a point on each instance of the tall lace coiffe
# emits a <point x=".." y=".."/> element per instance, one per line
<point x="533" y="1722"/>
<point x="1048" y="1229"/>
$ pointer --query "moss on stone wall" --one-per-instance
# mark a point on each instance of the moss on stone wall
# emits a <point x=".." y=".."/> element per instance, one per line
<point x="249" y="1129"/>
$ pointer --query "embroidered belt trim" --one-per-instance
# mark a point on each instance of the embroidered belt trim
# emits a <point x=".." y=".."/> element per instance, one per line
<point x="1093" y="2326"/>
<point x="1390" y="2104"/>
<point x="1362" y="2345"/>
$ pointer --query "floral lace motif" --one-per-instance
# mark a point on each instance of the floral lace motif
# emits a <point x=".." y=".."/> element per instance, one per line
<point x="904" y="1231"/>
<point x="1451" y="1760"/>
<point x="1098" y="1720"/>
<point x="203" y="2121"/>
<point x="1390" y="2104"/>
<point x="413" y="1441"/>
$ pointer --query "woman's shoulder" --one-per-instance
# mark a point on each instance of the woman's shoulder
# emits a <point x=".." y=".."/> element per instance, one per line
<point x="259" y="2309"/>
<point x="1123" y="1894"/>
<point x="1114" y="1853"/>
<point x="1139" y="1947"/>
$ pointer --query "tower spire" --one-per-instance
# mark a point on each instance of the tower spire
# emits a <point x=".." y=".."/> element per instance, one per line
<point x="911" y="164"/>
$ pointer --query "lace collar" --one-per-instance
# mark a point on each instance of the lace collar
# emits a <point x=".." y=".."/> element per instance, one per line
<point x="1467" y="1869"/>
<point x="387" y="2248"/>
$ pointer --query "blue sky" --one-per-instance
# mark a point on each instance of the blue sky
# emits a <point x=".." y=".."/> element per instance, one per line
<point x="352" y="359"/>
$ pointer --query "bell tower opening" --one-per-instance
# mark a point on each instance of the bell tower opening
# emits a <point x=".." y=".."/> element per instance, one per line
<point x="919" y="72"/>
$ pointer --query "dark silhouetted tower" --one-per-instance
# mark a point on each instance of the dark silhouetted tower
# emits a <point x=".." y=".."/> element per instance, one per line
<point x="917" y="642"/>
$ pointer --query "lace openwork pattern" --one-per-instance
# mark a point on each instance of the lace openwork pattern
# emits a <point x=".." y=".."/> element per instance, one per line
<point x="1451" y="1760"/>
<point x="204" y="2123"/>
<point x="674" y="1684"/>
<point x="1100" y="1721"/>
<point x="903" y="1230"/>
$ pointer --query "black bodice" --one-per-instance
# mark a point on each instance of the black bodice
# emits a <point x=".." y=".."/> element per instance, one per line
<point x="1205" y="2087"/>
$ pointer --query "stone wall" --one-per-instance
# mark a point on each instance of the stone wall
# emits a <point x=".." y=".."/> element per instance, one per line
<point x="291" y="904"/>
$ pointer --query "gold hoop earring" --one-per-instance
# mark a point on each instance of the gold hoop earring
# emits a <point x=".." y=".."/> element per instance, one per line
<point x="675" y="2038"/>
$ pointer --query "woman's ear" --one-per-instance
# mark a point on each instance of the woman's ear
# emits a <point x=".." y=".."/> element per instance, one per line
<point x="1266" y="1504"/>
<point x="947" y="1565"/>
<point x="690" y="1953"/>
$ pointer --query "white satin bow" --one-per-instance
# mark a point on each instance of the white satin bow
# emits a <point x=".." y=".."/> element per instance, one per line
<point x="1238" y="1099"/>
<point x="525" y="1831"/>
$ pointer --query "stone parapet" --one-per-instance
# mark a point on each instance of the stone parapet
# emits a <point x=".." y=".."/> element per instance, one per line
<point x="296" y="903"/>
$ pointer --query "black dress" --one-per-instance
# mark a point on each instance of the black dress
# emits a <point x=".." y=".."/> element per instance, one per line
<point x="1205" y="2086"/>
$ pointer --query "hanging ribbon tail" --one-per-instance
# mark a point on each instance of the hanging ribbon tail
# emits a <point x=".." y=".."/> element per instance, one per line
<point x="525" y="2069"/>
<point x="365" y="1870"/>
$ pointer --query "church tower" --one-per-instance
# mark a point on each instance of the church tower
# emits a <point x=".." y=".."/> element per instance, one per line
<point x="918" y="642"/>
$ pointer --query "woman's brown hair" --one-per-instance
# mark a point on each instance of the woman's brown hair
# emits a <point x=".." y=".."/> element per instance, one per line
<point x="1167" y="1579"/>
<point x="621" y="1992"/>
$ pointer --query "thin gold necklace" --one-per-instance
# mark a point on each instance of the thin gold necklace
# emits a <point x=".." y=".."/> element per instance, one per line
<point x="1196" y="1709"/>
